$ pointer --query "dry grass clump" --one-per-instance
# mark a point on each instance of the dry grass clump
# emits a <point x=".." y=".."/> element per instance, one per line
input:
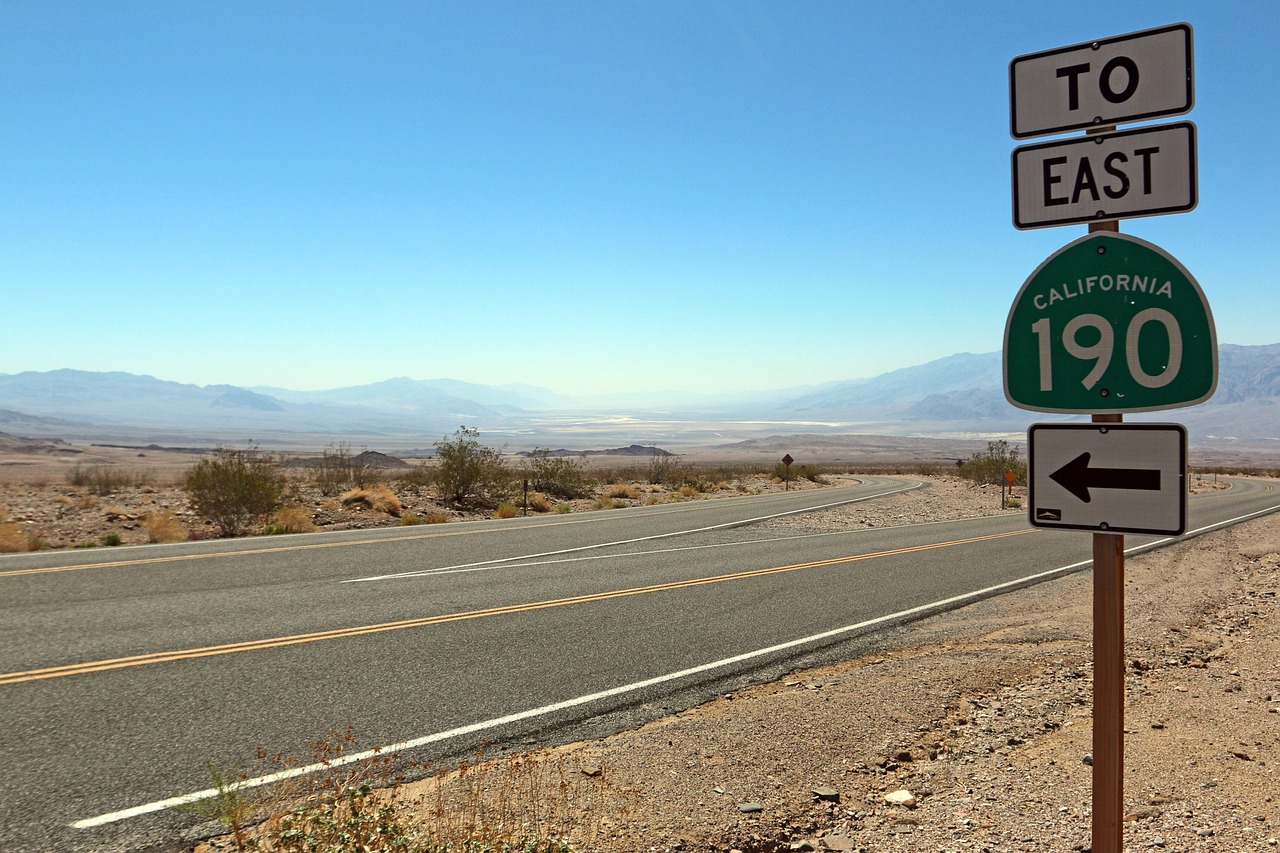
<point x="544" y="803"/>
<point x="294" y="519"/>
<point x="506" y="510"/>
<point x="378" y="498"/>
<point x="436" y="517"/>
<point x="623" y="491"/>
<point x="12" y="538"/>
<point x="538" y="502"/>
<point x="688" y="491"/>
<point x="164" y="526"/>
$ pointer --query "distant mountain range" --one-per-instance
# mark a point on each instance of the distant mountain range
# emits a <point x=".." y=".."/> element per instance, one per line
<point x="954" y="396"/>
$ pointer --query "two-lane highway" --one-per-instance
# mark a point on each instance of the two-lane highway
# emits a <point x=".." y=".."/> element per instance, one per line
<point x="122" y="670"/>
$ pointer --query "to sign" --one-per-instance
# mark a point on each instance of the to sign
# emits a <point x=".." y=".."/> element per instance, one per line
<point x="1117" y="478"/>
<point x="1132" y="77"/>
<point x="1109" y="323"/>
<point x="1144" y="172"/>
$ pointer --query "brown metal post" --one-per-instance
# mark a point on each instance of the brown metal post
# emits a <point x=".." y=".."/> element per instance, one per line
<point x="1108" y="691"/>
<point x="1108" y="669"/>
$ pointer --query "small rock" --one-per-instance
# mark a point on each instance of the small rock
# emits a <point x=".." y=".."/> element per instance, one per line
<point x="1206" y="832"/>
<point x="750" y="808"/>
<point x="1088" y="758"/>
<point x="827" y="794"/>
<point x="839" y="842"/>
<point x="901" y="797"/>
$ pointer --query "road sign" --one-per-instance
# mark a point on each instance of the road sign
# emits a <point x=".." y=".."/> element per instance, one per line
<point x="1114" y="478"/>
<point x="1122" y="175"/>
<point x="1131" y="77"/>
<point x="1109" y="323"/>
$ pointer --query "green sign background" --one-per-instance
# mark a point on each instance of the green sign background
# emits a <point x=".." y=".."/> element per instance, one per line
<point x="1109" y="323"/>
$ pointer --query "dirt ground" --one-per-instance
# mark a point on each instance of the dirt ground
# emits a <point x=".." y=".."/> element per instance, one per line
<point x="969" y="731"/>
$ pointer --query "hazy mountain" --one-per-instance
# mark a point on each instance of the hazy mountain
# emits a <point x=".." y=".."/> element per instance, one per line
<point x="960" y="372"/>
<point x="965" y="393"/>
<point x="436" y="395"/>
<point x="1247" y="373"/>
<point x="118" y="400"/>
<point x="949" y="396"/>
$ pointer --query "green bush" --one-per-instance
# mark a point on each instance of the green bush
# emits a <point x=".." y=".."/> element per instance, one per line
<point x="468" y="471"/>
<point x="990" y="467"/>
<point x="560" y="476"/>
<point x="235" y="489"/>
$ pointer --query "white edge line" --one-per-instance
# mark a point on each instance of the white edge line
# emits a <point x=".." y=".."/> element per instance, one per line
<point x="444" y="569"/>
<point x="900" y="616"/>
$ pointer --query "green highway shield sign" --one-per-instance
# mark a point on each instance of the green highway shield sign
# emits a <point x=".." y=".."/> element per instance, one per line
<point x="1109" y="323"/>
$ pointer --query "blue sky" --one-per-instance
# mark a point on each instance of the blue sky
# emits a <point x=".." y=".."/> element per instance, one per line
<point x="588" y="196"/>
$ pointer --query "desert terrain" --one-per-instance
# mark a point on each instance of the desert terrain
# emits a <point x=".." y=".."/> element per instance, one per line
<point x="968" y="731"/>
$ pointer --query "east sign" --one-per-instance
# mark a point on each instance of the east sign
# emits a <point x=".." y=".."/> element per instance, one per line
<point x="1144" y="172"/>
<point x="1109" y="323"/>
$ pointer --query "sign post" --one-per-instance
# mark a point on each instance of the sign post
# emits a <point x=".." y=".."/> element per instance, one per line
<point x="1107" y="324"/>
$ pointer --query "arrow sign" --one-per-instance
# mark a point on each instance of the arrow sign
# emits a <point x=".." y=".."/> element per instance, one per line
<point x="1078" y="478"/>
<point x="1117" y="478"/>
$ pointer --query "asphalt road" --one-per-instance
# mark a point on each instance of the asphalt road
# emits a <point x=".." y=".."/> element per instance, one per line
<point x="123" y="670"/>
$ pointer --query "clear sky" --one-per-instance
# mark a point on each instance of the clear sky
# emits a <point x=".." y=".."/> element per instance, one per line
<point x="586" y="196"/>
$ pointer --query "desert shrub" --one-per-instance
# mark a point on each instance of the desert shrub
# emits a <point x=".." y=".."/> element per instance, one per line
<point x="608" y="503"/>
<point x="506" y="510"/>
<point x="377" y="498"/>
<point x="410" y="519"/>
<point x="467" y="470"/>
<point x="538" y="502"/>
<point x="559" y="476"/>
<point x="661" y="468"/>
<point x="235" y="488"/>
<point x="687" y="491"/>
<point x="104" y="479"/>
<point x="990" y="467"/>
<point x="112" y="540"/>
<point x="812" y="473"/>
<point x="164" y="526"/>
<point x="436" y="517"/>
<point x="337" y="470"/>
<point x="563" y="508"/>
<point x="294" y="519"/>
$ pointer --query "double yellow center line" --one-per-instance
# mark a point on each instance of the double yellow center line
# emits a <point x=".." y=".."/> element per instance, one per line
<point x="363" y="630"/>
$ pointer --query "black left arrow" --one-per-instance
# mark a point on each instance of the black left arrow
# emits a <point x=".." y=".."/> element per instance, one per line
<point x="1078" y="478"/>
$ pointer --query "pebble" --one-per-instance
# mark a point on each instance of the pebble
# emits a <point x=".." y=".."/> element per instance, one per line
<point x="901" y="797"/>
